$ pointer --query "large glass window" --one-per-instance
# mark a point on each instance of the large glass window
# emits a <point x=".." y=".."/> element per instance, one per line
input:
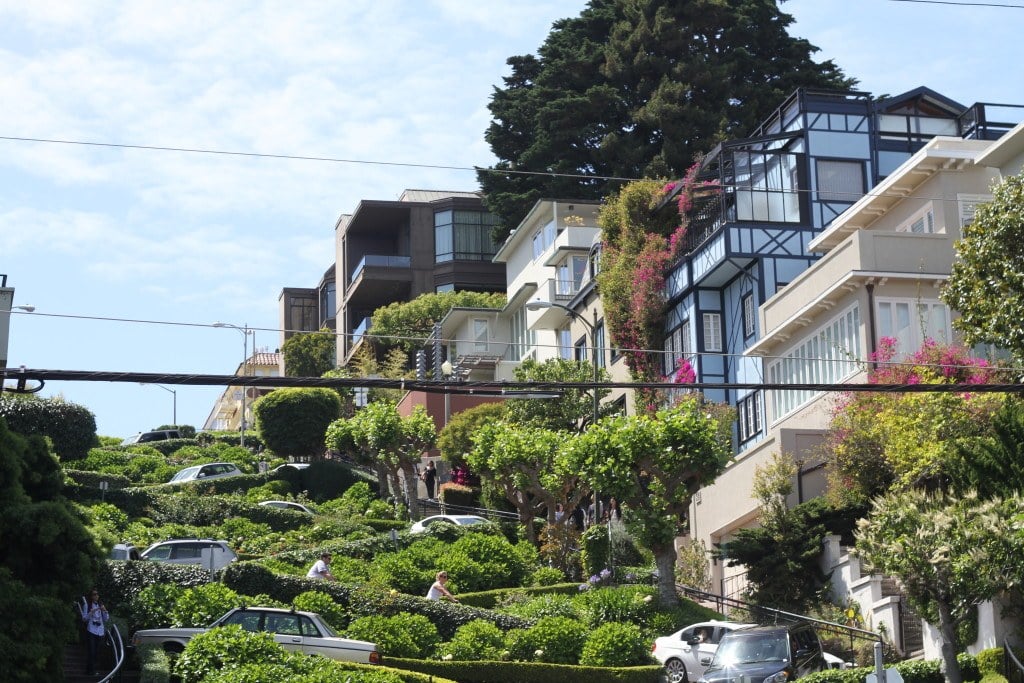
<point x="911" y="321"/>
<point x="767" y="189"/>
<point x="480" y="338"/>
<point x="565" y="344"/>
<point x="828" y="357"/>
<point x="570" y="275"/>
<point x="543" y="239"/>
<point x="463" y="235"/>
<point x="840" y="181"/>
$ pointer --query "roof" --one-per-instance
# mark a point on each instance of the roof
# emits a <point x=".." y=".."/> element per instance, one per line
<point x="265" y="358"/>
<point x="435" y="195"/>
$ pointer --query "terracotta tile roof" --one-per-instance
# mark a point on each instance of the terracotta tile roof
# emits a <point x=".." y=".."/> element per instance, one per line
<point x="265" y="358"/>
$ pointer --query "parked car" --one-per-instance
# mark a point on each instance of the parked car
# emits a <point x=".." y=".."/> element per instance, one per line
<point x="155" y="435"/>
<point x="124" y="551"/>
<point x="462" y="520"/>
<point x="293" y="465"/>
<point x="205" y="552"/>
<point x="213" y="470"/>
<point x="833" y="662"/>
<point x="688" y="651"/>
<point x="772" y="654"/>
<point x="286" y="505"/>
<point x="304" y="632"/>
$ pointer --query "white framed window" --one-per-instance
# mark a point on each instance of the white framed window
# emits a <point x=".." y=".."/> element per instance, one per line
<point x="565" y="344"/>
<point x="911" y="321"/>
<point x="712" y="332"/>
<point x="599" y="346"/>
<point x="678" y="344"/>
<point x="748" y="416"/>
<point x="749" y="315"/>
<point x="480" y="335"/>
<point x="922" y="222"/>
<point x="829" y="356"/>
<point x="968" y="204"/>
<point x="570" y="275"/>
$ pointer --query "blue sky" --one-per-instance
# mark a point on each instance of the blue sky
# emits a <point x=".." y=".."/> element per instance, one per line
<point x="194" y="239"/>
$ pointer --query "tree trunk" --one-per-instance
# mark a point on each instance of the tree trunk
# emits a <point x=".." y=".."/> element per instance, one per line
<point x="382" y="478"/>
<point x="665" y="561"/>
<point x="947" y="627"/>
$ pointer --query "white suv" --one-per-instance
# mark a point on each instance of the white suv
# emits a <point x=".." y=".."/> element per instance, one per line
<point x="205" y="552"/>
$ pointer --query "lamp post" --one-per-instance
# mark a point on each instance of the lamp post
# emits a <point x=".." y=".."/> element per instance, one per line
<point x="245" y="332"/>
<point x="174" y="396"/>
<point x="537" y="305"/>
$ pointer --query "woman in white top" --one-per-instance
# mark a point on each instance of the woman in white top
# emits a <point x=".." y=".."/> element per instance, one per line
<point x="438" y="591"/>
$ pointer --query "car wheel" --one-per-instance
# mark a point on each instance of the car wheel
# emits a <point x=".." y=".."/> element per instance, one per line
<point x="676" y="671"/>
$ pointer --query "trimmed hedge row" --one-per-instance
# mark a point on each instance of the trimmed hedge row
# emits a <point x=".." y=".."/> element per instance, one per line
<point x="912" y="671"/>
<point x="154" y="664"/>
<point x="89" y="479"/>
<point x="120" y="582"/>
<point x="528" y="672"/>
<point x="488" y="599"/>
<point x="250" y="578"/>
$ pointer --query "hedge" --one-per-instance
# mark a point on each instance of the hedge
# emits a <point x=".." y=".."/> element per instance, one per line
<point x="154" y="664"/>
<point x="488" y="599"/>
<point x="528" y="672"/>
<point x="70" y="427"/>
<point x="92" y="479"/>
<point x="912" y="671"/>
<point x="119" y="582"/>
<point x="250" y="578"/>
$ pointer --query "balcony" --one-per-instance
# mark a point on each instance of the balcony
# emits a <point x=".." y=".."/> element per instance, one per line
<point x="371" y="260"/>
<point x="989" y="121"/>
<point x="360" y="330"/>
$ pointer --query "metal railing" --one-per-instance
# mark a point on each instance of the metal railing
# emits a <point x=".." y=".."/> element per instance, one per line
<point x="439" y="507"/>
<point x="1012" y="668"/>
<point x="385" y="261"/>
<point x="765" y="615"/>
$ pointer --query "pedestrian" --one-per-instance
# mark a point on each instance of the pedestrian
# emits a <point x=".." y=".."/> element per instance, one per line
<point x="429" y="477"/>
<point x="559" y="512"/>
<point x="321" y="569"/>
<point x="95" y="617"/>
<point x="438" y="591"/>
<point x="614" y="511"/>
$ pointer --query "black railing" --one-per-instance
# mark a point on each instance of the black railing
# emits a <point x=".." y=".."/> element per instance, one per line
<point x="1012" y="668"/>
<point x="706" y="218"/>
<point x="769" y="615"/>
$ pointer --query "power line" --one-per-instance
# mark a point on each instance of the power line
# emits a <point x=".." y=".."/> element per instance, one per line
<point x="962" y="4"/>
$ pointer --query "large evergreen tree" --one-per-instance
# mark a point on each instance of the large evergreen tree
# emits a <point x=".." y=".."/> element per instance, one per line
<point x="635" y="88"/>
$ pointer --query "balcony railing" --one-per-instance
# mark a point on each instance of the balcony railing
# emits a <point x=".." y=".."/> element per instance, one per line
<point x="986" y="121"/>
<point x="380" y="261"/>
<point x="707" y="217"/>
<point x="361" y="329"/>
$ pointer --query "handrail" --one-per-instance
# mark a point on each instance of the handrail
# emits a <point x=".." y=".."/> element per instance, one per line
<point x="117" y="644"/>
<point x="1016" y="673"/>
<point x="449" y="509"/>
<point x="778" y="614"/>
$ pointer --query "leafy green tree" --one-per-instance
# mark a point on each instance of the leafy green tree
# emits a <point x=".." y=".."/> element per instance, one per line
<point x="949" y="554"/>
<point x="882" y="440"/>
<point x="70" y="427"/>
<point x="653" y="464"/>
<point x="992" y="465"/>
<point x="567" y="413"/>
<point x="986" y="284"/>
<point x="379" y="435"/>
<point x="394" y="365"/>
<point x="310" y="354"/>
<point x="293" y="421"/>
<point x="407" y="324"/>
<point x="456" y="439"/>
<point x="525" y="464"/>
<point x="636" y="88"/>
<point x="47" y="559"/>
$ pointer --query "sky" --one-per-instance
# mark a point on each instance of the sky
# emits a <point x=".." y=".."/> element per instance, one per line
<point x="131" y="255"/>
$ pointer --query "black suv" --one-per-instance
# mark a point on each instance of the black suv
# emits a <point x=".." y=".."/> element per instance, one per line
<point x="768" y="654"/>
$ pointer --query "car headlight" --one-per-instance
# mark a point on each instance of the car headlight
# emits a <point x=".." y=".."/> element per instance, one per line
<point x="780" y="677"/>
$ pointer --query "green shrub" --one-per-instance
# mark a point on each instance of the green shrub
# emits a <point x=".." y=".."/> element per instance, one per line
<point x="559" y="640"/>
<point x="595" y="554"/>
<point x="170" y="446"/>
<point x="389" y="634"/>
<point x="327" y="479"/>
<point x="527" y="672"/>
<point x="226" y="648"/>
<point x="110" y="517"/>
<point x="153" y="605"/>
<point x="537" y="607"/>
<point x="154" y="665"/>
<point x="502" y="565"/>
<point x="324" y="605"/>
<point x="623" y="603"/>
<point x="354" y="501"/>
<point x="399" y="571"/>
<point x="457" y="494"/>
<point x="547" y="576"/>
<point x="252" y="440"/>
<point x="202" y="605"/>
<point x="293" y="421"/>
<point x="120" y="582"/>
<point x="71" y="428"/>
<point x="615" y="644"/>
<point x="423" y="632"/>
<point x="991" y="661"/>
<point x="477" y="640"/>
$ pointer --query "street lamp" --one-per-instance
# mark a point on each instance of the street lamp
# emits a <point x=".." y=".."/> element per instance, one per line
<point x="174" y="396"/>
<point x="245" y="332"/>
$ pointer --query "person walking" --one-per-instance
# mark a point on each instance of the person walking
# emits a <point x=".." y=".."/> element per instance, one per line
<point x="438" y="591"/>
<point x="430" y="479"/>
<point x="95" y="617"/>
<point x="321" y="569"/>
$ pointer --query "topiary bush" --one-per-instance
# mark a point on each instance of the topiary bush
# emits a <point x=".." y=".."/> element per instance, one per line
<point x="990" y="661"/>
<point x="321" y="603"/>
<point x="547" y="576"/>
<point x="120" y="582"/>
<point x="154" y="664"/>
<point x="202" y="605"/>
<point x="153" y="605"/>
<point x="633" y="604"/>
<point x="475" y="641"/>
<point x="558" y="640"/>
<point x="71" y="428"/>
<point x="225" y="649"/>
<point x="293" y="421"/>
<point x="615" y="644"/>
<point x="388" y="633"/>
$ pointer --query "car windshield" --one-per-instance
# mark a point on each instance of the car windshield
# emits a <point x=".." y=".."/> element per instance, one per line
<point x="747" y="649"/>
<point x="185" y="473"/>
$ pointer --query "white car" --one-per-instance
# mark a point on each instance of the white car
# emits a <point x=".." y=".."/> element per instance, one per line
<point x="461" y="520"/>
<point x="688" y="652"/>
<point x="304" y="632"/>
<point x="213" y="470"/>
<point x="833" y="662"/>
<point x="205" y="552"/>
<point x="286" y="505"/>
